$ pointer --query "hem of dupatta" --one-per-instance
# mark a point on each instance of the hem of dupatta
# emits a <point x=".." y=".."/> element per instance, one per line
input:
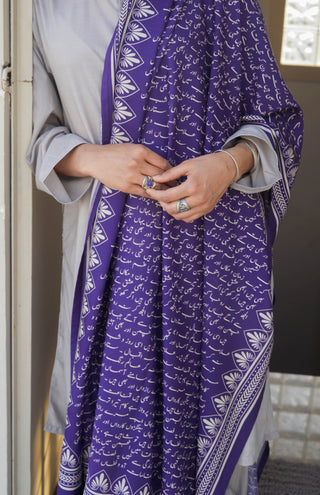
<point x="233" y="458"/>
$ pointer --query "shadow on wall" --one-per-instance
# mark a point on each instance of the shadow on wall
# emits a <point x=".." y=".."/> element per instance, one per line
<point x="45" y="310"/>
<point x="297" y="260"/>
<point x="46" y="455"/>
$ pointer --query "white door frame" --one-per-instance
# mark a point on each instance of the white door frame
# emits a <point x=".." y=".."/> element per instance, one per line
<point x="21" y="246"/>
<point x="5" y="257"/>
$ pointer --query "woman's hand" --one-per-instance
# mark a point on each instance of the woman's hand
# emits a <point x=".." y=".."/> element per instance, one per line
<point x="119" y="166"/>
<point x="207" y="179"/>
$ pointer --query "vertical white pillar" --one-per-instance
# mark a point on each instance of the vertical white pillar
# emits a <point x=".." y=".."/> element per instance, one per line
<point x="5" y="213"/>
<point x="21" y="36"/>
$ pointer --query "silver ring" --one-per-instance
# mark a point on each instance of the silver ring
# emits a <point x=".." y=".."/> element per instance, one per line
<point x="148" y="182"/>
<point x="182" y="205"/>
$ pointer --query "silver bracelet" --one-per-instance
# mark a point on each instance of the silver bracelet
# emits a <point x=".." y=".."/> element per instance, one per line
<point x="253" y="150"/>
<point x="234" y="161"/>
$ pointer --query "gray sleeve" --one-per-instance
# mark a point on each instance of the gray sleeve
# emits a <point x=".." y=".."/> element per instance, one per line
<point x="266" y="173"/>
<point x="51" y="139"/>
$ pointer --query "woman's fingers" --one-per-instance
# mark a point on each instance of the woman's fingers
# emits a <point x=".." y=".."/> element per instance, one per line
<point x="146" y="169"/>
<point x="196" y="210"/>
<point x="156" y="160"/>
<point x="174" y="173"/>
<point x="173" y="207"/>
<point x="171" y="194"/>
<point x="146" y="163"/>
<point x="194" y="213"/>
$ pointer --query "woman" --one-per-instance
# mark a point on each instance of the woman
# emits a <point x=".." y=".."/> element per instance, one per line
<point x="177" y="201"/>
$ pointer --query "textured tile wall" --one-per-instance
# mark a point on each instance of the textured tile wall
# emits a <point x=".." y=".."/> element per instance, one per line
<point x="296" y="405"/>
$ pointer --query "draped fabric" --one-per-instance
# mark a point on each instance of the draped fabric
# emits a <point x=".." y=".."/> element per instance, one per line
<point x="172" y="322"/>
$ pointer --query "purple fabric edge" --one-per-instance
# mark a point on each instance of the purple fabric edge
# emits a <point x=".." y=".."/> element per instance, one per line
<point x="241" y="440"/>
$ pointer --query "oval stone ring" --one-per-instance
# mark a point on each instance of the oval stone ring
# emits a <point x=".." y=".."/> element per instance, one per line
<point x="182" y="205"/>
<point x="148" y="182"/>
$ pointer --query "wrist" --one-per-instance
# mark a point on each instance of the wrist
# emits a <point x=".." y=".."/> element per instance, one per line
<point x="255" y="154"/>
<point x="83" y="160"/>
<point x="241" y="159"/>
<point x="244" y="156"/>
<point x="75" y="163"/>
<point x="231" y="165"/>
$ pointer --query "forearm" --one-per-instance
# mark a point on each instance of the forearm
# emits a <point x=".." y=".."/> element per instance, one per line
<point x="75" y="163"/>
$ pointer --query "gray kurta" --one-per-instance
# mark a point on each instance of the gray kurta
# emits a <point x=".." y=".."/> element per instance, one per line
<point x="70" y="42"/>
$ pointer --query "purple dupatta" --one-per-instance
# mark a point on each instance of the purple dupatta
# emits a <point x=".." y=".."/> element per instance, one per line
<point x="172" y="323"/>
